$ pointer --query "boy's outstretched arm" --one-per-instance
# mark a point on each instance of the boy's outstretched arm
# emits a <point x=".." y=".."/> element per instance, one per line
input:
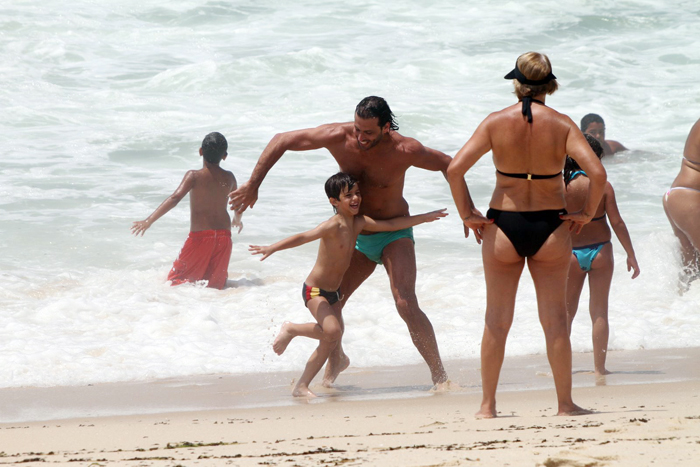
<point x="620" y="229"/>
<point x="290" y="242"/>
<point x="140" y="227"/>
<point x="399" y="223"/>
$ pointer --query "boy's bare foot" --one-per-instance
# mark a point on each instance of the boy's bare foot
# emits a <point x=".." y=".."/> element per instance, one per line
<point x="333" y="370"/>
<point x="282" y="340"/>
<point x="303" y="392"/>
<point x="573" y="409"/>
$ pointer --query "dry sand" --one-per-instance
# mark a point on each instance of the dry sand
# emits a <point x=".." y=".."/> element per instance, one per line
<point x="648" y="413"/>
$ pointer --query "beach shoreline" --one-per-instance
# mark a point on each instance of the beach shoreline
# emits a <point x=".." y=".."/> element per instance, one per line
<point x="259" y="390"/>
<point x="642" y="417"/>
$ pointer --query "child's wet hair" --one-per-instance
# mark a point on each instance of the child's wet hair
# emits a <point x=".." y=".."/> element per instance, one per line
<point x="214" y="147"/>
<point x="339" y="182"/>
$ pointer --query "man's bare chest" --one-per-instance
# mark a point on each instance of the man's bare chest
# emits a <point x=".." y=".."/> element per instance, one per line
<point x="373" y="171"/>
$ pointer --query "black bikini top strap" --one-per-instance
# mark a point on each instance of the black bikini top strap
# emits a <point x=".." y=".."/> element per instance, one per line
<point x="527" y="107"/>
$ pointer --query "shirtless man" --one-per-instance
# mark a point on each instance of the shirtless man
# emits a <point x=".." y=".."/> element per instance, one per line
<point x="373" y="152"/>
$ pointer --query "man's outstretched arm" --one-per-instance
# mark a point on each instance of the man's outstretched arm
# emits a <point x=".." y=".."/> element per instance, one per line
<point x="299" y="140"/>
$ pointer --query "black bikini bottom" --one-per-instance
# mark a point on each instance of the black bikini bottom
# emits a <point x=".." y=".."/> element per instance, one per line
<point x="527" y="230"/>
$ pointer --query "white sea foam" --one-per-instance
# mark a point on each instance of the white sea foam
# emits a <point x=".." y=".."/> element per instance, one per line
<point x="105" y="106"/>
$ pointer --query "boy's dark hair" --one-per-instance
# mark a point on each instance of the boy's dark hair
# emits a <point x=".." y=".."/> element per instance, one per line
<point x="590" y="118"/>
<point x="214" y="147"/>
<point x="337" y="183"/>
<point x="376" y="107"/>
<point x="572" y="166"/>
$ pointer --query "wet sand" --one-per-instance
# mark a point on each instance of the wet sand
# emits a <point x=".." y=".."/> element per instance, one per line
<point x="647" y="413"/>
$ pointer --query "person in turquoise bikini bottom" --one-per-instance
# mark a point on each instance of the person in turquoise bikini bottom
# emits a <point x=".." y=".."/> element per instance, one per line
<point x="593" y="256"/>
<point x="373" y="245"/>
<point x="586" y="254"/>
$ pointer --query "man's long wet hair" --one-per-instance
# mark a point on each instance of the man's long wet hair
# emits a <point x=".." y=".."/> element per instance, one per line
<point x="591" y="118"/>
<point x="337" y="183"/>
<point x="572" y="166"/>
<point x="214" y="147"/>
<point x="376" y="107"/>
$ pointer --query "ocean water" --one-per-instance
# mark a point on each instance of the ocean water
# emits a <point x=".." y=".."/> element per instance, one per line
<point x="105" y="105"/>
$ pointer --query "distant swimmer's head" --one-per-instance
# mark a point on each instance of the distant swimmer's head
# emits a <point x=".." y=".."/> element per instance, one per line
<point x="533" y="75"/>
<point x="373" y="119"/>
<point x="214" y="148"/>
<point x="344" y="193"/>
<point x="593" y="124"/>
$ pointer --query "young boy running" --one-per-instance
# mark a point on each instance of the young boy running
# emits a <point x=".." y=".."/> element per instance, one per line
<point x="321" y="288"/>
<point x="207" y="250"/>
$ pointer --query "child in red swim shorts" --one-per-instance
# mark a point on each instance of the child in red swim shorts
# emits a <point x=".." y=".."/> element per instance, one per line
<point x="206" y="253"/>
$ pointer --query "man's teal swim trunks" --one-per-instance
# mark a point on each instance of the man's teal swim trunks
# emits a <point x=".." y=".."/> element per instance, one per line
<point x="372" y="246"/>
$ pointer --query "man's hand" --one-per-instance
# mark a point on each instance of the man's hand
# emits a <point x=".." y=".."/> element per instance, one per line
<point x="244" y="197"/>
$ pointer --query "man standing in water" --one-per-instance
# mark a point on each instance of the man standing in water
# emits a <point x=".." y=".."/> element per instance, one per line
<point x="371" y="150"/>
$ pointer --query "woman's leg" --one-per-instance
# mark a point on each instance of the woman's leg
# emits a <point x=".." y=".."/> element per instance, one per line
<point x="681" y="209"/>
<point x="549" y="268"/>
<point x="502" y="269"/>
<point x="574" y="286"/>
<point x="599" y="281"/>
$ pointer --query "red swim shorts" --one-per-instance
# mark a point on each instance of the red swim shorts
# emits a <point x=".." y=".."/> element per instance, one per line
<point x="205" y="256"/>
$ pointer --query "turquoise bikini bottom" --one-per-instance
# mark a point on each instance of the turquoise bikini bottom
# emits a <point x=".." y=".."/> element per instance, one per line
<point x="586" y="254"/>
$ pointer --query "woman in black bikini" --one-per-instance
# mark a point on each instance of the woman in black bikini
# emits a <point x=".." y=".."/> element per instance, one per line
<point x="529" y="142"/>
<point x="681" y="204"/>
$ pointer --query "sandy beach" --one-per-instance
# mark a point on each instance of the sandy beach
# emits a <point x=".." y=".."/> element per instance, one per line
<point x="647" y="413"/>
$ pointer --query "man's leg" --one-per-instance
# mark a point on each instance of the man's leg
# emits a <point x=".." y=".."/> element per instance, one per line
<point x="399" y="258"/>
<point x="359" y="270"/>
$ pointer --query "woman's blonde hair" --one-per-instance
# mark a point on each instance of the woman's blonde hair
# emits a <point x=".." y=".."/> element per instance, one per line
<point x="534" y="66"/>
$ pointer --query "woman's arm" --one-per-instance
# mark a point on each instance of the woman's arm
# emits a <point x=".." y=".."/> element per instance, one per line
<point x="478" y="145"/>
<point x="578" y="149"/>
<point x="620" y="228"/>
